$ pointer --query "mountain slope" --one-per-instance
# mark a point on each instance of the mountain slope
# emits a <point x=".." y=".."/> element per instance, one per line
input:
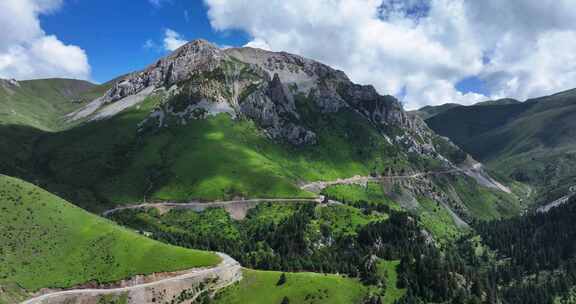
<point x="431" y="111"/>
<point x="45" y="242"/>
<point x="205" y="123"/>
<point x="539" y="251"/>
<point x="532" y="142"/>
<point x="42" y="103"/>
<point x="261" y="287"/>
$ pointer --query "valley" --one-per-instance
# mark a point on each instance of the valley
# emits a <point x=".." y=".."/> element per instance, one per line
<point x="531" y="142"/>
<point x="238" y="175"/>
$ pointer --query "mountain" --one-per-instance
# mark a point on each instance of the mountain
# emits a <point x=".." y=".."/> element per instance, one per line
<point x="532" y="142"/>
<point x="503" y="101"/>
<point x="206" y="123"/>
<point x="42" y="103"/>
<point x="272" y="89"/>
<point x="279" y="161"/>
<point x="430" y="111"/>
<point x="46" y="242"/>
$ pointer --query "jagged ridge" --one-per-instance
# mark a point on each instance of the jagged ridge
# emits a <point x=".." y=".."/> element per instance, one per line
<point x="262" y="86"/>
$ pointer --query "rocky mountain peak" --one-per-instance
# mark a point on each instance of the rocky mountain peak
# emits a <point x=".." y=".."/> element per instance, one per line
<point x="293" y="69"/>
<point x="193" y="54"/>
<point x="263" y="86"/>
<point x="193" y="57"/>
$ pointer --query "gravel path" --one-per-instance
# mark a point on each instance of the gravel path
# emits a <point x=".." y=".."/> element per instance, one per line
<point x="227" y="272"/>
<point x="216" y="204"/>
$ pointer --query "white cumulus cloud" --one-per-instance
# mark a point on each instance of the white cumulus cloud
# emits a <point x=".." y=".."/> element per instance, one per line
<point x="27" y="52"/>
<point x="173" y="40"/>
<point x="420" y="49"/>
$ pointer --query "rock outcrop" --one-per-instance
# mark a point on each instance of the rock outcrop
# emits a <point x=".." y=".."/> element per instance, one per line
<point x="195" y="57"/>
<point x="199" y="78"/>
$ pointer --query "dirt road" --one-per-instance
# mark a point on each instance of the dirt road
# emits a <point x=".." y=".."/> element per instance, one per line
<point x="224" y="274"/>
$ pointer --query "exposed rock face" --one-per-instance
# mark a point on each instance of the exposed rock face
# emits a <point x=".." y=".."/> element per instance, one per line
<point x="262" y="86"/>
<point x="274" y="109"/>
<point x="197" y="56"/>
<point x="9" y="85"/>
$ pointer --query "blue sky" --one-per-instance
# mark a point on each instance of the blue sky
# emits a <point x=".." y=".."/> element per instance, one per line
<point x="425" y="52"/>
<point x="113" y="33"/>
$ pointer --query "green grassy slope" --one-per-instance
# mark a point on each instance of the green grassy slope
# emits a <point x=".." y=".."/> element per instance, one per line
<point x="43" y="103"/>
<point x="485" y="203"/>
<point x="354" y="194"/>
<point x="30" y="110"/>
<point x="304" y="288"/>
<point x="463" y="124"/>
<point x="432" y="216"/>
<point x="110" y="162"/>
<point x="431" y="111"/>
<point x="427" y="112"/>
<point x="504" y="101"/>
<point x="533" y="142"/>
<point x="47" y="242"/>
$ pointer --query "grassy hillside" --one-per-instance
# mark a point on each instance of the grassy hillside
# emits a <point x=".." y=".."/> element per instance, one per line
<point x="362" y="242"/>
<point x="532" y="142"/>
<point x="304" y="288"/>
<point x="43" y="103"/>
<point x="504" y="101"/>
<point x="431" y="215"/>
<point x="47" y="242"/>
<point x="463" y="124"/>
<point x="29" y="110"/>
<point x="109" y="162"/>
<point x="431" y="111"/>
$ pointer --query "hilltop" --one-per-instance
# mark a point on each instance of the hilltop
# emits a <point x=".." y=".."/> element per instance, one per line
<point x="42" y="103"/>
<point x="532" y="142"/>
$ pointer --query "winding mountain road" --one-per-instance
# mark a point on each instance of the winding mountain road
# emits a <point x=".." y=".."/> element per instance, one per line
<point x="226" y="273"/>
<point x="315" y="187"/>
<point x="239" y="207"/>
<point x="476" y="171"/>
<point x="318" y="186"/>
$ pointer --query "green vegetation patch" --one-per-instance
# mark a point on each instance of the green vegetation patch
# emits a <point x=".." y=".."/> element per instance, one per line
<point x="387" y="271"/>
<point x="436" y="219"/>
<point x="47" y="242"/>
<point x="485" y="203"/>
<point x="343" y="220"/>
<point x="433" y="216"/>
<point x="373" y="194"/>
<point x="304" y="288"/>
